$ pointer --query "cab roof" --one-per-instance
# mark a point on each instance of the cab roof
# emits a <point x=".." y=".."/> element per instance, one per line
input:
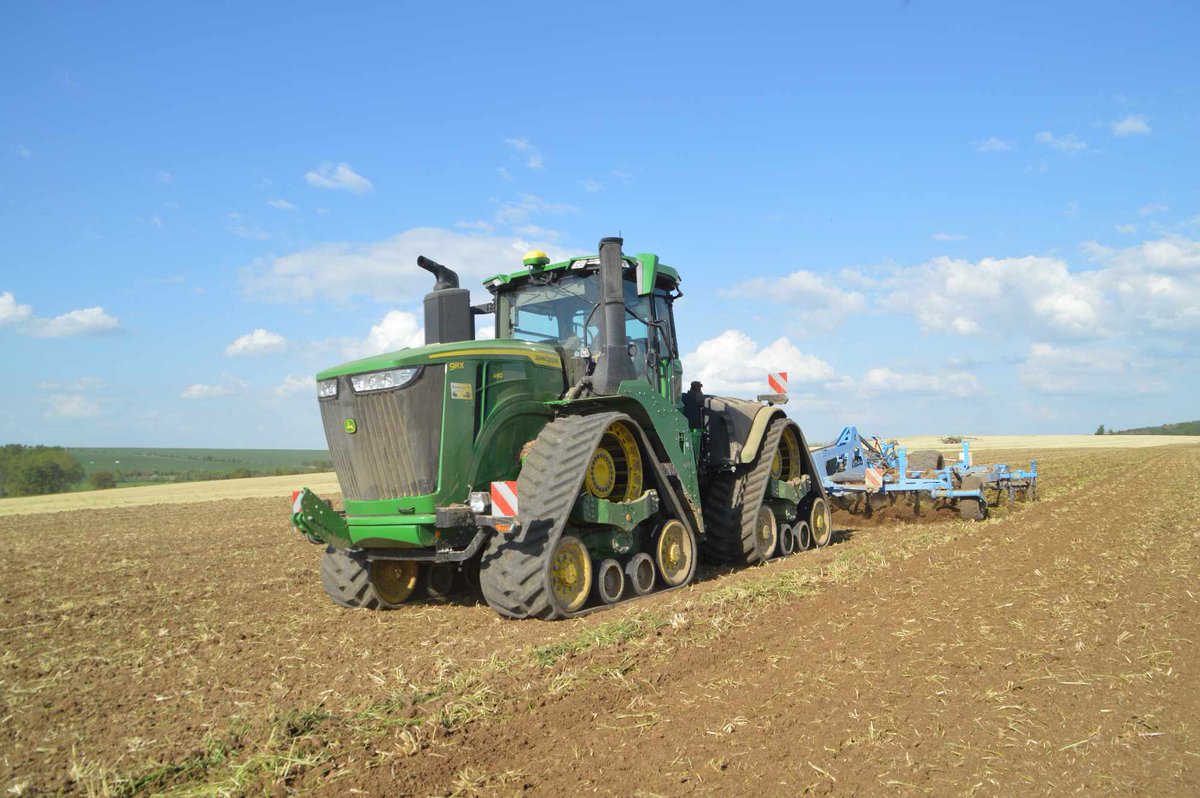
<point x="649" y="272"/>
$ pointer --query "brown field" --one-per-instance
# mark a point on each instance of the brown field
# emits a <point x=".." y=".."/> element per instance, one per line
<point x="188" y="649"/>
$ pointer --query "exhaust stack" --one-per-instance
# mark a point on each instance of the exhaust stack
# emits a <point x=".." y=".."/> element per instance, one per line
<point x="613" y="362"/>
<point x="448" y="316"/>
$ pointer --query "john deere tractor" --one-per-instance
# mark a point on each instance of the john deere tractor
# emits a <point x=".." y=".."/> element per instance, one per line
<point x="559" y="466"/>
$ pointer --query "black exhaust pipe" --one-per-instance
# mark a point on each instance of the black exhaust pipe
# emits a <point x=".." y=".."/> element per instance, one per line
<point x="613" y="363"/>
<point x="448" y="316"/>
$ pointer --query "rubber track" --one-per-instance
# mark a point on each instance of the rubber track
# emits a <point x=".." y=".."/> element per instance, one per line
<point x="734" y="502"/>
<point x="346" y="578"/>
<point x="514" y="572"/>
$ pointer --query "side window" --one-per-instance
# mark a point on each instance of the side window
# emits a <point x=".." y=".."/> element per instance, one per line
<point x="639" y="335"/>
<point x="662" y="312"/>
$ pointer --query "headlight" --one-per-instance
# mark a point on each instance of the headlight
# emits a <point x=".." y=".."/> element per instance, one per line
<point x="381" y="380"/>
<point x="326" y="389"/>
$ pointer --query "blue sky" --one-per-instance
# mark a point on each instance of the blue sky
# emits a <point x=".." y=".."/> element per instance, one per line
<point x="938" y="217"/>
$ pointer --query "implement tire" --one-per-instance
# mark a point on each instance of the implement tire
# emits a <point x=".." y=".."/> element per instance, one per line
<point x="731" y="505"/>
<point x="346" y="577"/>
<point x="971" y="508"/>
<point x="926" y="460"/>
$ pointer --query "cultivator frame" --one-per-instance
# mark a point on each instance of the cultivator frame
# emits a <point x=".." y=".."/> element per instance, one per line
<point x="865" y="471"/>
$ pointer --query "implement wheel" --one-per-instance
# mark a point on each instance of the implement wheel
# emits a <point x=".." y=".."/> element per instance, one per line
<point x="675" y="553"/>
<point x="926" y="460"/>
<point x="971" y="508"/>
<point x="820" y="522"/>
<point x="570" y="574"/>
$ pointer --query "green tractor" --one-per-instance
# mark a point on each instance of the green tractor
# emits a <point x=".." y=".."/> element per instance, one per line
<point x="559" y="466"/>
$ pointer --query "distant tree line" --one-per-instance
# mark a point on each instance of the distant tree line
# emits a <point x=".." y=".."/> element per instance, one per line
<point x="36" y="470"/>
<point x="1177" y="429"/>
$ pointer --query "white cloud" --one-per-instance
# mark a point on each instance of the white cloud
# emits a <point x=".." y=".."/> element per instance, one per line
<point x="1130" y="126"/>
<point x="815" y="298"/>
<point x="1154" y="285"/>
<point x="387" y="270"/>
<point x="1072" y="209"/>
<point x="1069" y="144"/>
<point x="504" y="173"/>
<point x="293" y="385"/>
<point x="339" y="176"/>
<point x="245" y="228"/>
<point x="257" y="343"/>
<point x="157" y="222"/>
<point x="591" y="186"/>
<point x="166" y="178"/>
<point x="228" y="386"/>
<point x="885" y="381"/>
<point x="24" y="152"/>
<point x="733" y="363"/>
<point x="397" y="330"/>
<point x="533" y="231"/>
<point x="1088" y="371"/>
<point x="1127" y="229"/>
<point x="83" y="322"/>
<point x="478" y="225"/>
<point x="76" y="385"/>
<point x="519" y="211"/>
<point x="533" y="156"/>
<point x="948" y="237"/>
<point x="992" y="144"/>
<point x="956" y="295"/>
<point x="72" y="405"/>
<point x="1152" y="208"/>
<point x="11" y="313"/>
<point x="281" y="204"/>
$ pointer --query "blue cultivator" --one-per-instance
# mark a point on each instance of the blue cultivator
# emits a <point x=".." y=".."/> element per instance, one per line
<point x="862" y="474"/>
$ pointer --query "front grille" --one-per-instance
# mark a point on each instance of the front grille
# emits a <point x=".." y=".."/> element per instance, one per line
<point x="394" y="451"/>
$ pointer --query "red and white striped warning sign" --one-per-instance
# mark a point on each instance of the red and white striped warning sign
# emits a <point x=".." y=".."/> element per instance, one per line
<point x="873" y="478"/>
<point x="778" y="381"/>
<point x="504" y="499"/>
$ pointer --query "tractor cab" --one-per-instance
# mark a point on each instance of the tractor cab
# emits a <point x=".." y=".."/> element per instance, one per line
<point x="559" y="305"/>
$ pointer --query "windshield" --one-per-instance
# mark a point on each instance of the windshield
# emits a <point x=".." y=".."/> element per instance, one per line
<point x="558" y="313"/>
<point x="563" y="313"/>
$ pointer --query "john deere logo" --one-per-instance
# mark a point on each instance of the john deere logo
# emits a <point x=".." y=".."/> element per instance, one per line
<point x="351" y="426"/>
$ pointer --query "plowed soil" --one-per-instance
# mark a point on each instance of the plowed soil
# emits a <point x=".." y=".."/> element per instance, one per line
<point x="1051" y="649"/>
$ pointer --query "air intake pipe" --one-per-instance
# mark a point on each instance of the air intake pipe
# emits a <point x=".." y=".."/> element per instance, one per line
<point x="448" y="316"/>
<point x="613" y="363"/>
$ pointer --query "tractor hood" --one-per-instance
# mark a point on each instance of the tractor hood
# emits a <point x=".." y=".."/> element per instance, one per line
<point x="538" y="354"/>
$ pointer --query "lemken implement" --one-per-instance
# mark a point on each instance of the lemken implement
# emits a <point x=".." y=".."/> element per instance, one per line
<point x="559" y="466"/>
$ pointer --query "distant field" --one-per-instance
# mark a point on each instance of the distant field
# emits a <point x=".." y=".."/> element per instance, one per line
<point x="176" y="493"/>
<point x="326" y="483"/>
<point x="985" y="443"/>
<point x="165" y="461"/>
